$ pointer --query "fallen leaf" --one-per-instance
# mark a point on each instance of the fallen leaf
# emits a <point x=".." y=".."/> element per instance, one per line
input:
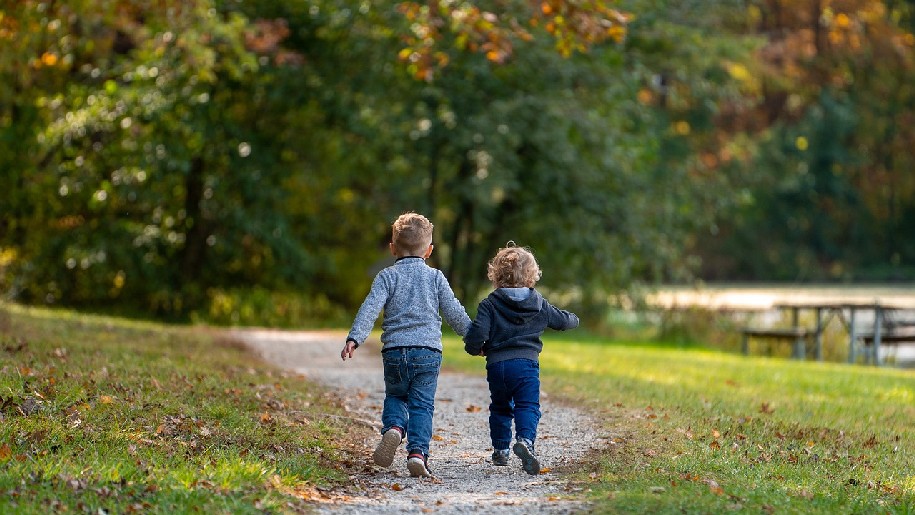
<point x="396" y="487"/>
<point x="106" y="399"/>
<point x="805" y="494"/>
<point x="437" y="438"/>
<point x="473" y="408"/>
<point x="766" y="408"/>
<point x="5" y="452"/>
<point x="716" y="434"/>
<point x="714" y="445"/>
<point x="546" y="470"/>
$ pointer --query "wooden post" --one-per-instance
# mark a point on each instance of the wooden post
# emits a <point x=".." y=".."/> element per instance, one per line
<point x="851" y="335"/>
<point x="745" y="345"/>
<point x="878" y="323"/>
<point x="799" y="351"/>
<point x="819" y="335"/>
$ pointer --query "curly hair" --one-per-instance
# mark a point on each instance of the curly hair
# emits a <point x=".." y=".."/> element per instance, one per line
<point x="513" y="267"/>
<point x="411" y="234"/>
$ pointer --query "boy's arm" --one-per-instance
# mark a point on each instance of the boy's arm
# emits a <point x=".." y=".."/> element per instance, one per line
<point x="478" y="333"/>
<point x="452" y="310"/>
<point x="560" y="319"/>
<point x="368" y="312"/>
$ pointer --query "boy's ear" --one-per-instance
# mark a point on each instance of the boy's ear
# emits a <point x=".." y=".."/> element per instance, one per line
<point x="393" y="250"/>
<point x="428" y="251"/>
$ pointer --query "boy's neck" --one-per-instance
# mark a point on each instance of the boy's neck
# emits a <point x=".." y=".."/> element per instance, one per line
<point x="408" y="257"/>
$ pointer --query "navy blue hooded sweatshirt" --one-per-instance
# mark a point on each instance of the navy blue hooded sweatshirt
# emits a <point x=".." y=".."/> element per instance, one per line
<point x="509" y="325"/>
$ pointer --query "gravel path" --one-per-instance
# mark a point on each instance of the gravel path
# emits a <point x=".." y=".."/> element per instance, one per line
<point x="465" y="479"/>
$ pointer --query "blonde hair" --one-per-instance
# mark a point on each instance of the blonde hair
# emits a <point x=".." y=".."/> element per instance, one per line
<point x="411" y="234"/>
<point x="513" y="267"/>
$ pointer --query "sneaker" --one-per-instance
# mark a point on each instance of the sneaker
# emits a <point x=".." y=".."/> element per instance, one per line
<point x="418" y="465"/>
<point x="500" y="457"/>
<point x="387" y="447"/>
<point x="524" y="449"/>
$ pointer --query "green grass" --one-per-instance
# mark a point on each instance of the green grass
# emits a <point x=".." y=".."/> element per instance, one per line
<point x="100" y="414"/>
<point x="707" y="432"/>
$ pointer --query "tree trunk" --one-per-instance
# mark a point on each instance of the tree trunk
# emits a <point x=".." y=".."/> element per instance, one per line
<point x="194" y="250"/>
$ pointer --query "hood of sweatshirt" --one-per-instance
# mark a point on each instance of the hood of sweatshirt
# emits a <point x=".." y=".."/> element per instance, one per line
<point x="506" y="302"/>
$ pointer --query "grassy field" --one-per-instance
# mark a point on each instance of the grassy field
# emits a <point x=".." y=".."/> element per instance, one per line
<point x="100" y="415"/>
<point x="707" y="432"/>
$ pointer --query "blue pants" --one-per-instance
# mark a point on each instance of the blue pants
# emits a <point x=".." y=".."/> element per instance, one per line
<point x="514" y="388"/>
<point x="410" y="380"/>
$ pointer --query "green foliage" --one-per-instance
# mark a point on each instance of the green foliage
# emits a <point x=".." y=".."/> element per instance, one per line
<point x="100" y="414"/>
<point x="260" y="307"/>
<point x="157" y="156"/>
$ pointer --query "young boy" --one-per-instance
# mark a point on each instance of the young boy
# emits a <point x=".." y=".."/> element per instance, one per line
<point x="507" y="331"/>
<point x="412" y="294"/>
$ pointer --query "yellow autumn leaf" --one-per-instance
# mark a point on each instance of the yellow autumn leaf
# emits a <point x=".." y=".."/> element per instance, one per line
<point x="48" y="59"/>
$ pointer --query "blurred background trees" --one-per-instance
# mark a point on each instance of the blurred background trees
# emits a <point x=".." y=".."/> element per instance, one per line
<point x="241" y="162"/>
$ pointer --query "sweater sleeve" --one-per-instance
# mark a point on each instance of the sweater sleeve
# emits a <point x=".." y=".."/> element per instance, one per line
<point x="452" y="310"/>
<point x="478" y="333"/>
<point x="560" y="319"/>
<point x="368" y="312"/>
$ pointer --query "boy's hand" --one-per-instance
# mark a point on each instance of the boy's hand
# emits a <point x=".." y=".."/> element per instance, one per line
<point x="348" y="350"/>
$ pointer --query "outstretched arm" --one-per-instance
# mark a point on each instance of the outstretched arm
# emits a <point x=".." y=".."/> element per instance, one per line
<point x="365" y="318"/>
<point x="561" y="319"/>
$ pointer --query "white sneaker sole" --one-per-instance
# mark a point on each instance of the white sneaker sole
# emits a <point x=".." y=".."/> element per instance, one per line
<point x="387" y="448"/>
<point x="417" y="468"/>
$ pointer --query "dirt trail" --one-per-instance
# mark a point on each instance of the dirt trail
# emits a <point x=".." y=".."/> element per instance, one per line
<point x="466" y="481"/>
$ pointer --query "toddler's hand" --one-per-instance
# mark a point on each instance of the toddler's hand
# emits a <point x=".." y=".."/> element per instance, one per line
<point x="348" y="350"/>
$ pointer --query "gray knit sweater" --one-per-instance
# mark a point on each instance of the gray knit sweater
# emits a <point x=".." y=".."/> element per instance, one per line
<point x="412" y="295"/>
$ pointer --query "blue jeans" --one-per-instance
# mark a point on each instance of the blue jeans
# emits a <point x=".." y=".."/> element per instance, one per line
<point x="514" y="388"/>
<point x="410" y="380"/>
